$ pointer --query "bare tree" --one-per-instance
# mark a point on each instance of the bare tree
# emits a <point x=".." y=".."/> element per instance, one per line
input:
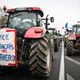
<point x="3" y="17"/>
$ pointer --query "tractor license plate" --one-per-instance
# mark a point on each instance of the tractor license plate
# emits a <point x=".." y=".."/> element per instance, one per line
<point x="7" y="47"/>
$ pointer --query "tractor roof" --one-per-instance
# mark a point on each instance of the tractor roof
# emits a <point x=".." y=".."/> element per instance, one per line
<point x="76" y="25"/>
<point x="30" y="9"/>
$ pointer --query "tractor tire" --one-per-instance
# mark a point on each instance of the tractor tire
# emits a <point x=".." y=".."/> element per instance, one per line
<point x="40" y="58"/>
<point x="69" y="47"/>
<point x="65" y="42"/>
<point x="52" y="49"/>
<point x="55" y="45"/>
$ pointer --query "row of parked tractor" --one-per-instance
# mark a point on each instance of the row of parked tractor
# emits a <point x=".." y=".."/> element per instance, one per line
<point x="26" y="39"/>
<point x="56" y="38"/>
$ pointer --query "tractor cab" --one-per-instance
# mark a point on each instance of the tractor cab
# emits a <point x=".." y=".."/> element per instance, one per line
<point x="23" y="18"/>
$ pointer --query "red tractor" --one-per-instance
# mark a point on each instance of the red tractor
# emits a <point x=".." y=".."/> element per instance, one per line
<point x="25" y="40"/>
<point x="73" y="40"/>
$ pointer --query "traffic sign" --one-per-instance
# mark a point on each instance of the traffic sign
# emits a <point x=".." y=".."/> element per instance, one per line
<point x="66" y="26"/>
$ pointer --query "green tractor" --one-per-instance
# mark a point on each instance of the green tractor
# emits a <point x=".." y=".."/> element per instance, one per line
<point x="55" y="36"/>
<point x="25" y="40"/>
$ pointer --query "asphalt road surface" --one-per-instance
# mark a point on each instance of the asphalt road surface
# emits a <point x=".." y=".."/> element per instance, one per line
<point x="72" y="67"/>
<point x="24" y="74"/>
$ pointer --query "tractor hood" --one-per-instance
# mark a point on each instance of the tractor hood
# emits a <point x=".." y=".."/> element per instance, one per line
<point x="78" y="36"/>
<point x="35" y="32"/>
<point x="72" y="37"/>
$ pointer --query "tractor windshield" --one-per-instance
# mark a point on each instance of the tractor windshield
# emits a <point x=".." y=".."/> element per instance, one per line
<point x="22" y="20"/>
<point x="77" y="30"/>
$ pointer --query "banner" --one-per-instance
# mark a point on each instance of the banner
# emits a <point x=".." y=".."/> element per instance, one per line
<point x="7" y="47"/>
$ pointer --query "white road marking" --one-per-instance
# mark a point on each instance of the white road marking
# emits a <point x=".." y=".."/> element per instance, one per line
<point x="62" y="73"/>
<point x="69" y="77"/>
<point x="74" y="61"/>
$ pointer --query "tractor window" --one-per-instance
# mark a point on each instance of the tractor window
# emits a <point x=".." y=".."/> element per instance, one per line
<point x="74" y="29"/>
<point x="22" y="20"/>
<point x="40" y="22"/>
<point x="78" y="30"/>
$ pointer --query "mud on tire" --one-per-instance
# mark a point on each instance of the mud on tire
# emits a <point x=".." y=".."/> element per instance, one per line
<point x="40" y="58"/>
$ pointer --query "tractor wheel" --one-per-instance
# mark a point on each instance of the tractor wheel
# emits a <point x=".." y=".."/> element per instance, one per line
<point x="69" y="47"/>
<point x="40" y="58"/>
<point x="52" y="47"/>
<point x="55" y="45"/>
<point x="65" y="42"/>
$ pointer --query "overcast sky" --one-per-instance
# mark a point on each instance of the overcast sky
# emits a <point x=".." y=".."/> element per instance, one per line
<point x="62" y="10"/>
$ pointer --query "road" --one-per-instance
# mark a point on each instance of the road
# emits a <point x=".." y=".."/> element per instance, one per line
<point x="23" y="74"/>
<point x="72" y="67"/>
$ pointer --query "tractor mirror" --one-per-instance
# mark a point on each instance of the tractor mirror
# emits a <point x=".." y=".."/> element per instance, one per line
<point x="52" y="19"/>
